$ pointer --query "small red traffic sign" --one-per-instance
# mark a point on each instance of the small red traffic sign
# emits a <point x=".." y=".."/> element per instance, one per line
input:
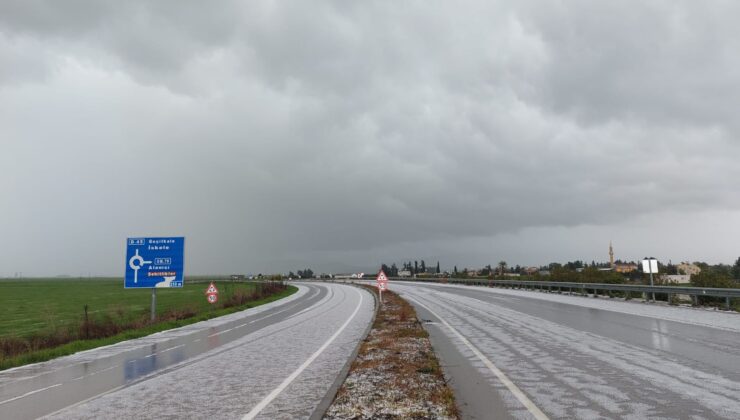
<point x="382" y="280"/>
<point x="212" y="293"/>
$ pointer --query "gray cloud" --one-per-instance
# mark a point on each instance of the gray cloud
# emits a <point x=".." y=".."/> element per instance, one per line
<point x="339" y="135"/>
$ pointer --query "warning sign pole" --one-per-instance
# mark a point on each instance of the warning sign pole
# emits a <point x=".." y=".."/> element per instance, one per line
<point x="382" y="281"/>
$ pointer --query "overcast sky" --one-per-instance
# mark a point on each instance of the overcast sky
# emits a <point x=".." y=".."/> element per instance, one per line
<point x="338" y="135"/>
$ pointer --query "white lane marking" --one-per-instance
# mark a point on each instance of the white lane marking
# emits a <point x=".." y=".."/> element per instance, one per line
<point x="301" y="312"/>
<point x="172" y="348"/>
<point x="28" y="393"/>
<point x="219" y="333"/>
<point x="329" y="296"/>
<point x="526" y="402"/>
<point x="275" y="392"/>
<point x="272" y="314"/>
<point x="103" y="370"/>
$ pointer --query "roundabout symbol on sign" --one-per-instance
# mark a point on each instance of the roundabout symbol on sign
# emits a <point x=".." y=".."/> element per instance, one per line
<point x="136" y="262"/>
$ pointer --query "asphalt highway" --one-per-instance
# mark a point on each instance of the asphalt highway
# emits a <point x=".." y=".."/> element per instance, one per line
<point x="515" y="354"/>
<point x="280" y="360"/>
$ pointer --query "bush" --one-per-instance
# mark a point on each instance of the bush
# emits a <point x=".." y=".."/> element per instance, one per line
<point x="710" y="277"/>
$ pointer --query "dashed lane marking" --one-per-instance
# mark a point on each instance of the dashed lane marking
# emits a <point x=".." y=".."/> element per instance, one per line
<point x="29" y="393"/>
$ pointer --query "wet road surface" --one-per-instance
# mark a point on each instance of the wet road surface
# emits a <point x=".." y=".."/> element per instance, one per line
<point x="572" y="361"/>
<point x="281" y="358"/>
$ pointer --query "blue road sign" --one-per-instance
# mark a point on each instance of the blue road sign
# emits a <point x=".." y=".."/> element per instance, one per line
<point x="154" y="262"/>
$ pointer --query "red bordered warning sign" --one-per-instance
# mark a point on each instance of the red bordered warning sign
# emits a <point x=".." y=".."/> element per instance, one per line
<point x="212" y="293"/>
<point x="382" y="280"/>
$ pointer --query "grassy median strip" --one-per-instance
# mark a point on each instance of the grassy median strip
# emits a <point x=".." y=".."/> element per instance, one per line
<point x="396" y="373"/>
<point x="118" y="322"/>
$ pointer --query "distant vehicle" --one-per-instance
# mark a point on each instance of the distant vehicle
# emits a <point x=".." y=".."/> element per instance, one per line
<point x="349" y="276"/>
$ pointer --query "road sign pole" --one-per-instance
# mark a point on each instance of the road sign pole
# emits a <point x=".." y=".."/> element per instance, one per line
<point x="154" y="303"/>
<point x="651" y="283"/>
<point x="381" y="295"/>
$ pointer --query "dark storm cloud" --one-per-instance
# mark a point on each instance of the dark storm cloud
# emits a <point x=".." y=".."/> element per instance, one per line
<point x="273" y="134"/>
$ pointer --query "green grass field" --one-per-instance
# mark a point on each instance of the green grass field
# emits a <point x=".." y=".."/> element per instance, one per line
<point x="41" y="319"/>
<point x="38" y="305"/>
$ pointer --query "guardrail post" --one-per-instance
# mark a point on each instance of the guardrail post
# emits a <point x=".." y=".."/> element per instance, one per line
<point x="727" y="302"/>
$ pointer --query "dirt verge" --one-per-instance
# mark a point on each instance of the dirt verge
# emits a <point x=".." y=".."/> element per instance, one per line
<point x="396" y="373"/>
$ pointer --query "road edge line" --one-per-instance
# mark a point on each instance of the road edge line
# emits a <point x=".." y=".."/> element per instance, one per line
<point x="518" y="393"/>
<point x="287" y="381"/>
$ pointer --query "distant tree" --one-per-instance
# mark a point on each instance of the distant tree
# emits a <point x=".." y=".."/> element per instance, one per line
<point x="438" y="271"/>
<point x="501" y="267"/>
<point x="385" y="269"/>
<point x="669" y="269"/>
<point x="455" y="270"/>
<point x="574" y="265"/>
<point x="291" y="275"/>
<point x="423" y="267"/>
<point x="554" y="265"/>
<point x="712" y="277"/>
<point x="416" y="266"/>
<point x="394" y="270"/>
<point x="736" y="270"/>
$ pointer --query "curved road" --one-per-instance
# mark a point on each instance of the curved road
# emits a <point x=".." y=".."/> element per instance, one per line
<point x="280" y="360"/>
<point x="519" y="354"/>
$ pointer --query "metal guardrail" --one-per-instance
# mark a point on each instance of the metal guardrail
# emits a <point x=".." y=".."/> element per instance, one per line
<point x="584" y="287"/>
